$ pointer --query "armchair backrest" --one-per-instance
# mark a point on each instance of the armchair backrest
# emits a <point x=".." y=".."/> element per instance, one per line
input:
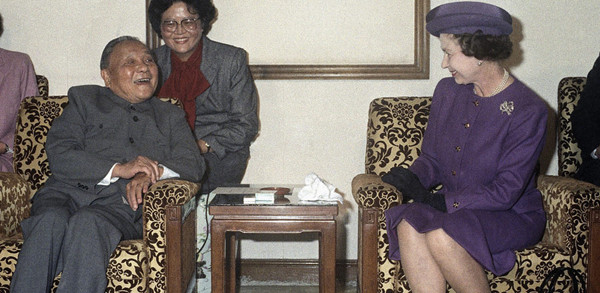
<point x="35" y="118"/>
<point x="42" y="83"/>
<point x="395" y="132"/>
<point x="33" y="122"/>
<point x="569" y="154"/>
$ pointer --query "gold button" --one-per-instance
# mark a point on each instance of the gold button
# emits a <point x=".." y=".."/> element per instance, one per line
<point x="458" y="148"/>
<point x="467" y="125"/>
<point x="455" y="204"/>
<point x="453" y="173"/>
<point x="476" y="103"/>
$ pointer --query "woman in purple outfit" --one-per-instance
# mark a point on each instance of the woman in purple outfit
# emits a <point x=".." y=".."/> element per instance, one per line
<point x="17" y="81"/>
<point x="485" y="133"/>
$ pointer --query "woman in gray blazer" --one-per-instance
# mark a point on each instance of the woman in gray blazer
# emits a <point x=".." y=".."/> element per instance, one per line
<point x="213" y="82"/>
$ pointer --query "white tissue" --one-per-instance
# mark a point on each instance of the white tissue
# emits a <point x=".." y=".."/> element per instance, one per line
<point x="318" y="189"/>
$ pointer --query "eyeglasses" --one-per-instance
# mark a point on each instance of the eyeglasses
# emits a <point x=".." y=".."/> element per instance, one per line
<point x="189" y="24"/>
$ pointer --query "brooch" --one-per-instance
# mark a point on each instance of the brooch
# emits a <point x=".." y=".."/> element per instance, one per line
<point x="507" y="107"/>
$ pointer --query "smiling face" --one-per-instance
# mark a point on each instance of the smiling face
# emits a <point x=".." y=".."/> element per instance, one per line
<point x="182" y="41"/>
<point x="463" y="68"/>
<point x="132" y="73"/>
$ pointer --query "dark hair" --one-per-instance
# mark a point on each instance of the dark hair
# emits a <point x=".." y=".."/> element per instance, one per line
<point x="204" y="8"/>
<point x="485" y="47"/>
<point x="110" y="47"/>
<point x="1" y="25"/>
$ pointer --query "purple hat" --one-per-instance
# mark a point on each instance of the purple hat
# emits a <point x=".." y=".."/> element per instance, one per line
<point x="468" y="17"/>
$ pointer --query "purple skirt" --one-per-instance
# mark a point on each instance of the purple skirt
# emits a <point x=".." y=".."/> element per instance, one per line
<point x="490" y="237"/>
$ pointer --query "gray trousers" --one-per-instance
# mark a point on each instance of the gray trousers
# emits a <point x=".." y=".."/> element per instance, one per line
<point x="226" y="171"/>
<point x="75" y="241"/>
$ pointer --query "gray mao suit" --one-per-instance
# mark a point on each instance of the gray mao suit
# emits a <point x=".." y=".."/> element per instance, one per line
<point x="75" y="223"/>
<point x="226" y="113"/>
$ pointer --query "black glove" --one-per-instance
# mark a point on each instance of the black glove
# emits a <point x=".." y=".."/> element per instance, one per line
<point x="409" y="184"/>
<point x="437" y="201"/>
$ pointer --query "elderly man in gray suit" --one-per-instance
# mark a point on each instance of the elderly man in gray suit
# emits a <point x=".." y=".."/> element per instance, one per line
<point x="109" y="145"/>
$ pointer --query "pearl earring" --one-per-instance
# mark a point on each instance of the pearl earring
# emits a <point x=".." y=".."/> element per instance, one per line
<point x="479" y="63"/>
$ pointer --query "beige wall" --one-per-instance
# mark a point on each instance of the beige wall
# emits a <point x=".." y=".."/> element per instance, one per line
<point x="307" y="125"/>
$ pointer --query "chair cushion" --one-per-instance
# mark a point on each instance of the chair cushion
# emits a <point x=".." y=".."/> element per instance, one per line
<point x="9" y="250"/>
<point x="14" y="203"/>
<point x="128" y="267"/>
<point x="532" y="266"/>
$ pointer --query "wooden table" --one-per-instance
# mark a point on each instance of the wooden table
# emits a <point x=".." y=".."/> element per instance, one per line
<point x="290" y="215"/>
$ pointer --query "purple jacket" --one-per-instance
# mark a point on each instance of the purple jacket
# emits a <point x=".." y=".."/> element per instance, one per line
<point x="484" y="150"/>
<point x="17" y="81"/>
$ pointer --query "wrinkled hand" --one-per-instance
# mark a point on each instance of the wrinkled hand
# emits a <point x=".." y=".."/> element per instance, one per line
<point x="136" y="189"/>
<point x="140" y="164"/>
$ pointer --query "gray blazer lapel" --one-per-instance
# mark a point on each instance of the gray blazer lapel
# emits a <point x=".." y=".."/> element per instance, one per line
<point x="209" y="52"/>
<point x="163" y="59"/>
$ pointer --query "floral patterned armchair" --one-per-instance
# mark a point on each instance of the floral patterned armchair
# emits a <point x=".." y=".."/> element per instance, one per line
<point x="569" y="159"/>
<point x="394" y="135"/>
<point x="42" y="83"/>
<point x="163" y="261"/>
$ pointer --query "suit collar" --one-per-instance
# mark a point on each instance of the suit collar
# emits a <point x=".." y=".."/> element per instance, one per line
<point x="142" y="106"/>
<point x="209" y="51"/>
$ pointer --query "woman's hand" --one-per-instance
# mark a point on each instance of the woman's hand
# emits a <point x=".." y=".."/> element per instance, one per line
<point x="407" y="183"/>
<point x="203" y="146"/>
<point x="436" y="201"/>
<point x="411" y="188"/>
<point x="136" y="188"/>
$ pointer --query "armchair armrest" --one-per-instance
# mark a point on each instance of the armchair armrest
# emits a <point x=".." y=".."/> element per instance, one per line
<point x="572" y="208"/>
<point x="15" y="194"/>
<point x="370" y="191"/>
<point x="169" y="234"/>
<point x="567" y="203"/>
<point x="373" y="197"/>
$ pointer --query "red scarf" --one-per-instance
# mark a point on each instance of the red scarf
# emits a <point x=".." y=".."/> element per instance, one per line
<point x="186" y="82"/>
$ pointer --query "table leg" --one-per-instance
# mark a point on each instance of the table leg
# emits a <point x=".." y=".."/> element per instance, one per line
<point x="217" y="238"/>
<point x="327" y="245"/>
<point x="231" y="260"/>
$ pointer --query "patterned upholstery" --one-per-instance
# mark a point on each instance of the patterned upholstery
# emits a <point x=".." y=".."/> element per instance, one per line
<point x="569" y="160"/>
<point x="394" y="135"/>
<point x="136" y="265"/>
<point x="569" y="154"/>
<point x="42" y="82"/>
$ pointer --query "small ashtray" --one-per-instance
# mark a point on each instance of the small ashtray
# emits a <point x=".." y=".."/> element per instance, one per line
<point x="279" y="192"/>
